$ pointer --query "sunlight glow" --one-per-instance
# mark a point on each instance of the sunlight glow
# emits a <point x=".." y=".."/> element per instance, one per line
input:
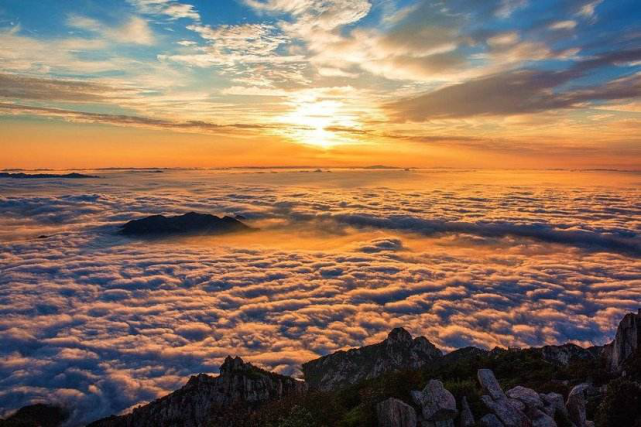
<point x="315" y="122"/>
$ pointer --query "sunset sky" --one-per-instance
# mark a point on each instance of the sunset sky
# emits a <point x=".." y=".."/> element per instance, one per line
<point x="211" y="83"/>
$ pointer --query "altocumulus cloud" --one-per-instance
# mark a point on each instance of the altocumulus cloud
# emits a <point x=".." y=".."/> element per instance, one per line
<point x="101" y="323"/>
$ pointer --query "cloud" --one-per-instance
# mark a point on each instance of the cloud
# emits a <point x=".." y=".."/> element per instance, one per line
<point x="134" y="31"/>
<point x="127" y="120"/>
<point x="169" y="8"/>
<point x="520" y="92"/>
<point x="34" y="88"/>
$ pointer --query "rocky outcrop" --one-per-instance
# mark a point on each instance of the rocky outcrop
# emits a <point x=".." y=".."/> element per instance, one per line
<point x="498" y="403"/>
<point x="626" y="342"/>
<point x="436" y="403"/>
<point x="395" y="413"/>
<point x="190" y="223"/>
<point x="39" y="414"/>
<point x="490" y="420"/>
<point x="576" y="405"/>
<point x="205" y="398"/>
<point x="398" y="351"/>
<point x="564" y="354"/>
<point x="466" y="418"/>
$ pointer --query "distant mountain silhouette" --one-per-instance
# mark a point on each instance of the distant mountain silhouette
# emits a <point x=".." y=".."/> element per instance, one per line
<point x="21" y="175"/>
<point x="190" y="223"/>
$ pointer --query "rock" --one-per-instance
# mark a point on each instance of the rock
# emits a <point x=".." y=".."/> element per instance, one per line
<point x="517" y="404"/>
<point x="576" y="405"/>
<point x="564" y="354"/>
<point x="626" y="341"/>
<point x="540" y="418"/>
<point x="490" y="420"/>
<point x="398" y="351"/>
<point x="39" y="414"/>
<point x="526" y="395"/>
<point x="159" y="225"/>
<point x="553" y="404"/>
<point x="437" y="404"/>
<point x="466" y="418"/>
<point x="489" y="384"/>
<point x="240" y="386"/>
<point x="395" y="413"/>
<point x="443" y="423"/>
<point x="508" y="414"/>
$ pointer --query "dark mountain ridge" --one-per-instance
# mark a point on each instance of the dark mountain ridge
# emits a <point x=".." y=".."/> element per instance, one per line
<point x="189" y="223"/>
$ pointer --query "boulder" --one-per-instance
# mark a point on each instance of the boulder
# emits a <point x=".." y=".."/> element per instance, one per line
<point x="437" y="404"/>
<point x="508" y="414"/>
<point x="466" y="418"/>
<point x="554" y="404"/>
<point x="529" y="397"/>
<point x="626" y="342"/>
<point x="490" y="384"/>
<point x="395" y="413"/>
<point x="540" y="418"/>
<point x="517" y="404"/>
<point x="490" y="420"/>
<point x="576" y="405"/>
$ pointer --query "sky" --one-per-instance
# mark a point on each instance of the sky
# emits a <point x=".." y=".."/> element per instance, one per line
<point x="420" y="83"/>
<point x="100" y="323"/>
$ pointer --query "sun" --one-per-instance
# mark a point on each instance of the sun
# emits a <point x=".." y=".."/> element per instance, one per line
<point x="318" y="123"/>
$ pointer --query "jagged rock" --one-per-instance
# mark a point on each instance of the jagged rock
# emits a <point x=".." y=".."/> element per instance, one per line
<point x="517" y="404"/>
<point x="437" y="404"/>
<point x="564" y="354"/>
<point x="395" y="413"/>
<point x="490" y="385"/>
<point x="553" y="404"/>
<point x="626" y="341"/>
<point x="508" y="414"/>
<point x="204" y="397"/>
<point x="576" y="405"/>
<point x="443" y="423"/>
<point x="159" y="225"/>
<point x="490" y="420"/>
<point x="39" y="414"/>
<point x="398" y="351"/>
<point x="540" y="418"/>
<point x="526" y="395"/>
<point x="466" y="418"/>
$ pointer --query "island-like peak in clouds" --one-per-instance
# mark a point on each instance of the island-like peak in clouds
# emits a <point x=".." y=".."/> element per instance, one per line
<point x="398" y="351"/>
<point x="189" y="223"/>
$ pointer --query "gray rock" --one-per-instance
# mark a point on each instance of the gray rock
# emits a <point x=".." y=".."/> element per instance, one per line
<point x="490" y="420"/>
<point x="205" y="398"/>
<point x="443" y="423"/>
<point x="466" y="418"/>
<point x="395" y="413"/>
<point x="540" y="418"/>
<point x="576" y="405"/>
<point x="517" y="404"/>
<point x="490" y="384"/>
<point x="626" y="341"/>
<point x="526" y="395"/>
<point x="553" y="404"/>
<point x="437" y="404"/>
<point x="508" y="414"/>
<point x="398" y="351"/>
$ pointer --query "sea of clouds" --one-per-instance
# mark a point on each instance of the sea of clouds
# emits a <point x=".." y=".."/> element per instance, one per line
<point x="100" y="322"/>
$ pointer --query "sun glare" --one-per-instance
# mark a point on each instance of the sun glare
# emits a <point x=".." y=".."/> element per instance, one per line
<point x="319" y="123"/>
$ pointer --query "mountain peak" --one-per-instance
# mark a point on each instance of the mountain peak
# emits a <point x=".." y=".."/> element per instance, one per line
<point x="399" y="335"/>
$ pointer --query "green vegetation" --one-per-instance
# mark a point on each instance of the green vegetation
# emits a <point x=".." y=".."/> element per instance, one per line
<point x="356" y="405"/>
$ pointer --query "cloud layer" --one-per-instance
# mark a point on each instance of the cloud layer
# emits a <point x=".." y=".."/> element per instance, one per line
<point x="101" y="323"/>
